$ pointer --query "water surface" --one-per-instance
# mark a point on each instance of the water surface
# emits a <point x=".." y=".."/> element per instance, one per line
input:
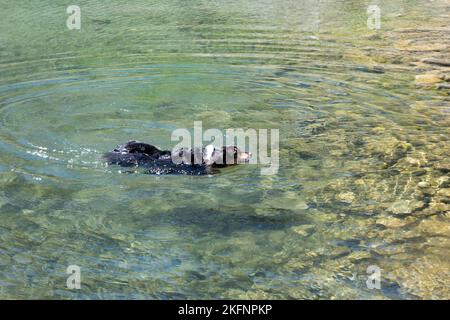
<point x="364" y="150"/>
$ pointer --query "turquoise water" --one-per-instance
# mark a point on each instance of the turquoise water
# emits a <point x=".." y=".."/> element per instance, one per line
<point x="364" y="152"/>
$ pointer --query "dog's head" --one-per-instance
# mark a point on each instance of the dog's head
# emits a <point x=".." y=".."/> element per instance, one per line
<point x="137" y="147"/>
<point x="225" y="156"/>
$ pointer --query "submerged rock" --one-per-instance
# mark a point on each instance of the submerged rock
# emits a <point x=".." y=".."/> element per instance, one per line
<point x="391" y="222"/>
<point x="435" y="226"/>
<point x="347" y="197"/>
<point x="438" y="207"/>
<point x="443" y="86"/>
<point x="427" y="277"/>
<point x="423" y="184"/>
<point x="304" y="230"/>
<point x="438" y="62"/>
<point x="389" y="149"/>
<point x="424" y="47"/>
<point x="444" y="195"/>
<point x="298" y="265"/>
<point x="427" y="79"/>
<point x="405" y="206"/>
<point x="443" y="182"/>
<point x="340" y="252"/>
<point x="443" y="167"/>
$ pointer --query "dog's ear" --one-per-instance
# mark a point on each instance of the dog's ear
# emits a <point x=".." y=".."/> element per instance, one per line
<point x="236" y="155"/>
<point x="229" y="155"/>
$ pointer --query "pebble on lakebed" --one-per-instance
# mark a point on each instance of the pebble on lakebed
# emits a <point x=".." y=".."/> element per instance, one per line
<point x="303" y="230"/>
<point x="391" y="222"/>
<point x="405" y="206"/>
<point x="428" y="79"/>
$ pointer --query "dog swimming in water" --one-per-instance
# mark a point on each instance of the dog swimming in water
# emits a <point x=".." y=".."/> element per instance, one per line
<point x="198" y="161"/>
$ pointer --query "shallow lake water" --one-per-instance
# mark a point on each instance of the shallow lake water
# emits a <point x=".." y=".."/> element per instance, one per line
<point x="364" y="150"/>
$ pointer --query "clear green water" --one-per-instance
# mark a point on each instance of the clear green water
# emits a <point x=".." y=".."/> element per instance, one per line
<point x="363" y="151"/>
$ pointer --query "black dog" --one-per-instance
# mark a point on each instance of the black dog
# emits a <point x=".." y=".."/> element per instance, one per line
<point x="182" y="161"/>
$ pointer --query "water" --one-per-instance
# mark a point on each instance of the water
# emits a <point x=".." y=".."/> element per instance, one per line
<point x="363" y="150"/>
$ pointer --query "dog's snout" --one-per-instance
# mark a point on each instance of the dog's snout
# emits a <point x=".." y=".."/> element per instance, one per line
<point x="246" y="155"/>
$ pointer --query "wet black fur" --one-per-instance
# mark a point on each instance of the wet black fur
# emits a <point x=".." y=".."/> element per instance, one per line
<point x="155" y="161"/>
